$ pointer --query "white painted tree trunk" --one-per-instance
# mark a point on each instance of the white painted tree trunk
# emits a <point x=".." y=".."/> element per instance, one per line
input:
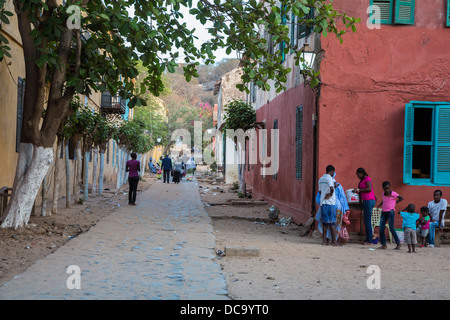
<point x="143" y="165"/>
<point x="124" y="163"/>
<point x="44" y="189"/>
<point x="119" y="171"/>
<point x="56" y="178"/>
<point x="32" y="167"/>
<point x="86" y="176"/>
<point x="77" y="179"/>
<point x="68" y="194"/>
<point x="100" y="174"/>
<point x="241" y="168"/>
<point x="94" y="169"/>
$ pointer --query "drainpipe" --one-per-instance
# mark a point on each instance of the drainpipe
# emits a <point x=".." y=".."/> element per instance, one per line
<point x="314" y="182"/>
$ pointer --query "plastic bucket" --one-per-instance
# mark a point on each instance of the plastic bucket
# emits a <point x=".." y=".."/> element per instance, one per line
<point x="352" y="197"/>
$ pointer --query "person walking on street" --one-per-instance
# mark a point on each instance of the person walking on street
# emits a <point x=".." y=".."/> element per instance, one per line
<point x="166" y="166"/>
<point x="133" y="167"/>
<point x="177" y="170"/>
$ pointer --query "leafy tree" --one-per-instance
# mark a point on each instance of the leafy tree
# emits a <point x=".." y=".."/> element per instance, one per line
<point x="239" y="115"/>
<point x="94" y="45"/>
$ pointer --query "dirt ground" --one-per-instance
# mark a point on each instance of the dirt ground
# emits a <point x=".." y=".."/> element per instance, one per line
<point x="288" y="266"/>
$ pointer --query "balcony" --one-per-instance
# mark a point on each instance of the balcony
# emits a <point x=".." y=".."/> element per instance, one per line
<point x="112" y="104"/>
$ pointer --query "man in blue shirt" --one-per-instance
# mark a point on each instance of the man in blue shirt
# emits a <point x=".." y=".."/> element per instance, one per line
<point x="166" y="166"/>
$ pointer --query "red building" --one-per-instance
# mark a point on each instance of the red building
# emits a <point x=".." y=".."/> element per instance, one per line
<point x="383" y="104"/>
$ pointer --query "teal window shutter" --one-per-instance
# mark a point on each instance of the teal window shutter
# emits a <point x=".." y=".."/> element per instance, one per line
<point x="442" y="145"/>
<point x="407" y="144"/>
<point x="292" y="31"/>
<point x="448" y="13"/>
<point x="386" y="8"/>
<point x="303" y="29"/>
<point x="404" y="11"/>
<point x="283" y="22"/>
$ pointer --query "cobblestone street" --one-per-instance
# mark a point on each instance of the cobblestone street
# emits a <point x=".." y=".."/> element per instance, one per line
<point x="162" y="248"/>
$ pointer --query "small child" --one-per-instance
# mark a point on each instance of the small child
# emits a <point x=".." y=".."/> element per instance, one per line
<point x="409" y="226"/>
<point x="423" y="225"/>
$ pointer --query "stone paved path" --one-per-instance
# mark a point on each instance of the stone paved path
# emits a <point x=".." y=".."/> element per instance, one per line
<point x="162" y="248"/>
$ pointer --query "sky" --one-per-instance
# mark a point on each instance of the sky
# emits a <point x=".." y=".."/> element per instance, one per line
<point x="201" y="31"/>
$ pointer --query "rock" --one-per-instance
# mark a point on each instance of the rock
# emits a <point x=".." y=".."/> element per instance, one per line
<point x="241" y="251"/>
<point x="273" y="212"/>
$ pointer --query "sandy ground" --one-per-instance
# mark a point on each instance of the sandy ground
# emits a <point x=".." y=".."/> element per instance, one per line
<point x="288" y="266"/>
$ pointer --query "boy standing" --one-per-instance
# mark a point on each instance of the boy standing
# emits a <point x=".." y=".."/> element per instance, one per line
<point x="409" y="226"/>
<point x="327" y="204"/>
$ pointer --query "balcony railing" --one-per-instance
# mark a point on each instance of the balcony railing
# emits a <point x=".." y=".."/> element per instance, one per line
<point x="112" y="104"/>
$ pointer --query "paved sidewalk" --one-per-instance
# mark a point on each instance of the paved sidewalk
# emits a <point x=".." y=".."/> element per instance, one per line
<point x="162" y="248"/>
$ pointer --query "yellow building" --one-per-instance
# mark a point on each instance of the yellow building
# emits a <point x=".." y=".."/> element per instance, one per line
<point x="12" y="86"/>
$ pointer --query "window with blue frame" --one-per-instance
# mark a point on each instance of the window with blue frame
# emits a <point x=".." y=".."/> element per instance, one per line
<point x="394" y="11"/>
<point x="426" y="156"/>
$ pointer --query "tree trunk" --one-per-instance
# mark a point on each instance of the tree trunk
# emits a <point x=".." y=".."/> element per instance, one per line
<point x="77" y="174"/>
<point x="94" y="169"/>
<point x="124" y="163"/>
<point x="100" y="175"/>
<point x="26" y="184"/>
<point x="68" y="194"/>
<point x="44" y="188"/>
<point x="119" y="170"/>
<point x="86" y="175"/>
<point x="241" y="168"/>
<point x="56" y="177"/>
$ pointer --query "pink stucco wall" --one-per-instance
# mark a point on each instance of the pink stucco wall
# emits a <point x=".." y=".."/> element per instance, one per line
<point x="366" y="82"/>
<point x="291" y="195"/>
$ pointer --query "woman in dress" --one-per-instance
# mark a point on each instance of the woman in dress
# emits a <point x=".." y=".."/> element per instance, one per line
<point x="177" y="170"/>
<point x="367" y="196"/>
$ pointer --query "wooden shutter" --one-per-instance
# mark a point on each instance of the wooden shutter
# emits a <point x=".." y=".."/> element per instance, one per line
<point x="292" y="31"/>
<point x="20" y="99"/>
<point x="404" y="11"/>
<point x="386" y="9"/>
<point x="298" y="142"/>
<point x="407" y="144"/>
<point x="303" y="30"/>
<point x="441" y="157"/>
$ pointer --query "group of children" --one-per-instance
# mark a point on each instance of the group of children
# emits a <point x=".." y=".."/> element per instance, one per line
<point x="414" y="225"/>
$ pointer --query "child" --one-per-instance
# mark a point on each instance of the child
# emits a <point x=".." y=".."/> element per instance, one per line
<point x="390" y="199"/>
<point x="409" y="226"/>
<point x="423" y="225"/>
